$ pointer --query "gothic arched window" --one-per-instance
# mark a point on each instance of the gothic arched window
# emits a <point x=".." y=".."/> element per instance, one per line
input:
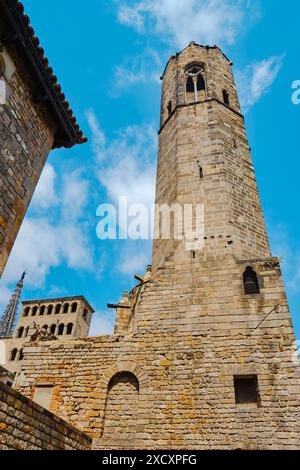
<point x="85" y="314"/>
<point x="13" y="354"/>
<point x="66" y="308"/>
<point x="74" y="307"/>
<point x="190" y="85"/>
<point x="61" y="329"/>
<point x="250" y="279"/>
<point x="34" y="311"/>
<point x="200" y="82"/>
<point x="195" y="83"/>
<point x="50" y="309"/>
<point x="26" y="311"/>
<point x="69" y="328"/>
<point x="42" y="310"/>
<point x="57" y="308"/>
<point x="20" y="332"/>
<point x="52" y="329"/>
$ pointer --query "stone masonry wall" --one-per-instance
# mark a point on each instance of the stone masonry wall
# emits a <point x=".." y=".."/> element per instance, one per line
<point x="24" y="425"/>
<point x="192" y="332"/>
<point x="26" y="134"/>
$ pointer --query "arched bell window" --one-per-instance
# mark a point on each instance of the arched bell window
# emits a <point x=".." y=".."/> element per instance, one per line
<point x="13" y="354"/>
<point x="195" y="84"/>
<point x="61" y="329"/>
<point x="250" y="279"/>
<point x="53" y="329"/>
<point x="190" y="85"/>
<point x="200" y="82"/>
<point x="69" y="328"/>
<point x="26" y="311"/>
<point x="20" y="332"/>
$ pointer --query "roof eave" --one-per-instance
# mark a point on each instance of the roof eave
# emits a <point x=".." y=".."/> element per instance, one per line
<point x="69" y="133"/>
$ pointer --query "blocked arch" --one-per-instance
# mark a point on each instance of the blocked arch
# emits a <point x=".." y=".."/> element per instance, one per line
<point x="129" y="367"/>
<point x="121" y="407"/>
<point x="99" y="395"/>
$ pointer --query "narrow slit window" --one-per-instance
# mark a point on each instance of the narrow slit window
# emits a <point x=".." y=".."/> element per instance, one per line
<point x="170" y="108"/>
<point x="226" y="97"/>
<point x="250" y="279"/>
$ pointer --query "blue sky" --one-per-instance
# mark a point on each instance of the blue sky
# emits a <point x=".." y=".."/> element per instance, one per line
<point x="108" y="56"/>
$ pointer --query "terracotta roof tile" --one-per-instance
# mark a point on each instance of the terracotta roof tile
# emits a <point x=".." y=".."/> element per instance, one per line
<point x="25" y="32"/>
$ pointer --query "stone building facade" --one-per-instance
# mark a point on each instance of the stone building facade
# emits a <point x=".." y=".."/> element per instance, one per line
<point x="203" y="355"/>
<point x="59" y="318"/>
<point x="34" y="118"/>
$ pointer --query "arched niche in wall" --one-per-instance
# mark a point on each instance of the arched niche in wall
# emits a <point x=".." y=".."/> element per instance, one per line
<point x="121" y="408"/>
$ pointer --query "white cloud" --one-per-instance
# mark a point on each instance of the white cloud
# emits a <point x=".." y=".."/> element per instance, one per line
<point x="45" y="195"/>
<point x="129" y="164"/>
<point x="99" y="140"/>
<point x="46" y="239"/>
<point x="128" y="170"/>
<point x="256" y="80"/>
<point x="142" y="68"/>
<point x="74" y="195"/>
<point x="134" y="257"/>
<point x="102" y="323"/>
<point x="180" y="21"/>
<point x="281" y="244"/>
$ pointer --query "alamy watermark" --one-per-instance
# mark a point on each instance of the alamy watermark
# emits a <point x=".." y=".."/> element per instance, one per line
<point x="296" y="93"/>
<point x="159" y="222"/>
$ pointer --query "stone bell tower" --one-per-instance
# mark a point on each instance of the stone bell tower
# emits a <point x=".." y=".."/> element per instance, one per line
<point x="204" y="157"/>
<point x="204" y="354"/>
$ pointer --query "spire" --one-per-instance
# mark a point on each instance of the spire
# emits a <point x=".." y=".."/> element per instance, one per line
<point x="7" y="321"/>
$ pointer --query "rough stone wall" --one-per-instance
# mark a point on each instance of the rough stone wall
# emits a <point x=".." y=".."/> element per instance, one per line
<point x="191" y="329"/>
<point x="194" y="330"/>
<point x="24" y="425"/>
<point x="26" y="138"/>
